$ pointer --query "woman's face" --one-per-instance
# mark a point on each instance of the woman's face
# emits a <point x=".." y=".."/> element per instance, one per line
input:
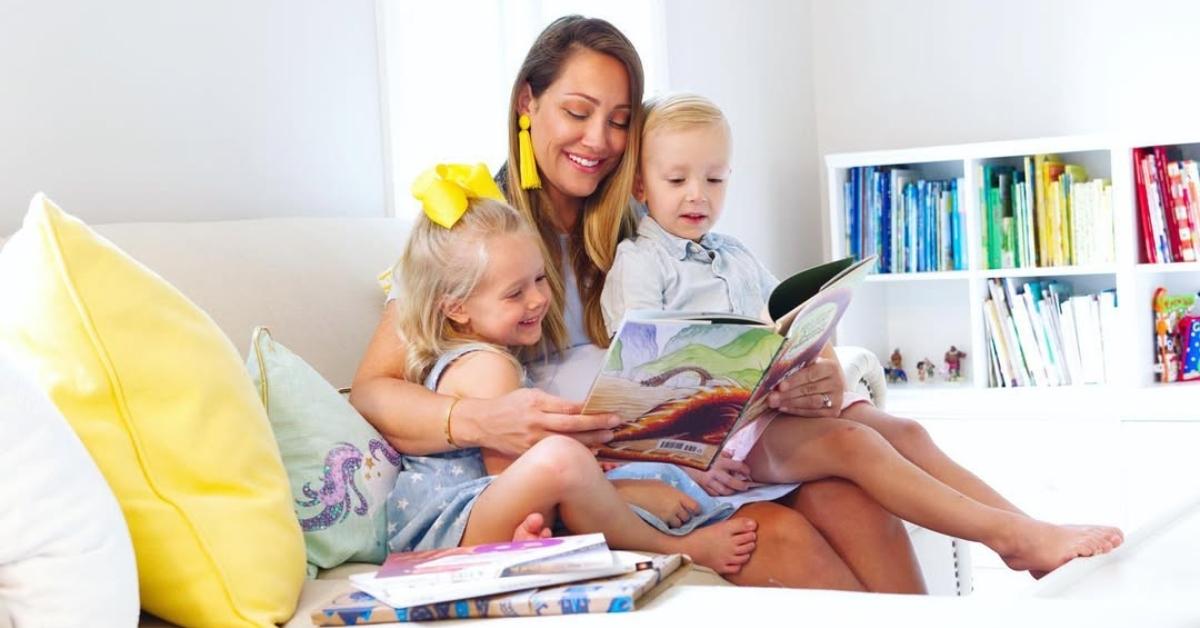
<point x="579" y="125"/>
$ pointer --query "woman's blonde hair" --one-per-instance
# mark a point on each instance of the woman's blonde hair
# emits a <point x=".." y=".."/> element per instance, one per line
<point x="680" y="111"/>
<point x="606" y="218"/>
<point x="442" y="266"/>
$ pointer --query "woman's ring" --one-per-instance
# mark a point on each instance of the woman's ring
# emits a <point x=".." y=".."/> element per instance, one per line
<point x="826" y="401"/>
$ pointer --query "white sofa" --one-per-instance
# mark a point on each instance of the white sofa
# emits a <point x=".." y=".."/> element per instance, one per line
<point x="312" y="281"/>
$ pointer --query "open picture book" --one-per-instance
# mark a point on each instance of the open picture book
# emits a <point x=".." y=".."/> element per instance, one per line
<point x="685" y="381"/>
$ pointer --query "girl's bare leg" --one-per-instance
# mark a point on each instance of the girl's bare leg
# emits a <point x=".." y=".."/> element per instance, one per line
<point x="799" y="449"/>
<point x="560" y="476"/>
<point x="872" y="541"/>
<point x="791" y="553"/>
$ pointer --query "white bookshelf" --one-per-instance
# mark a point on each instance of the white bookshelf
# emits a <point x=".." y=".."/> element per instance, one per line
<point x="922" y="314"/>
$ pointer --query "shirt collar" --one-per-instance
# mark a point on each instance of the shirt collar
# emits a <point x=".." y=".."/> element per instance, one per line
<point x="677" y="246"/>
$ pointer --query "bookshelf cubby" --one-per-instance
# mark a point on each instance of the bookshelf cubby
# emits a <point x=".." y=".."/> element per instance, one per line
<point x="922" y="314"/>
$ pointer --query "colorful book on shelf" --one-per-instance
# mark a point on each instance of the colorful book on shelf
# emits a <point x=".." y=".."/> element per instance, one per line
<point x="1150" y="250"/>
<point x="910" y="224"/>
<point x="1191" y="190"/>
<point x="1040" y="334"/>
<point x="647" y="577"/>
<point x="427" y="577"/>
<point x="684" y="382"/>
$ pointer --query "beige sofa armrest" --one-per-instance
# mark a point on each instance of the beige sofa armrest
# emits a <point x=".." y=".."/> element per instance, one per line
<point x="864" y="373"/>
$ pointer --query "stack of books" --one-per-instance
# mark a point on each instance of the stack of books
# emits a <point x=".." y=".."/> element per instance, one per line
<point x="1039" y="334"/>
<point x="1168" y="200"/>
<point x="554" y="576"/>
<point x="1046" y="213"/>
<point x="911" y="224"/>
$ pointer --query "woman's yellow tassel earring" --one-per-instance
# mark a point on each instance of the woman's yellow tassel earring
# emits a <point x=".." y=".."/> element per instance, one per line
<point x="529" y="173"/>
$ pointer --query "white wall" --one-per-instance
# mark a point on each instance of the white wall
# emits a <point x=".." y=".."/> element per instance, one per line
<point x="148" y="110"/>
<point x="901" y="74"/>
<point x="754" y="60"/>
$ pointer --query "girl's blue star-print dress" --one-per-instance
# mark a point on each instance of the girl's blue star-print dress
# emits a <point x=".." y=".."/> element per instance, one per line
<point x="429" y="506"/>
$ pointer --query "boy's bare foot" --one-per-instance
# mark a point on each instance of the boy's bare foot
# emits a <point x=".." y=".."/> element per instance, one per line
<point x="533" y="527"/>
<point x="1041" y="547"/>
<point x="723" y="547"/>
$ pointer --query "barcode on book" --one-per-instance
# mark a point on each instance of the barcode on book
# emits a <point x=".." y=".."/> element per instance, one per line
<point x="681" y="445"/>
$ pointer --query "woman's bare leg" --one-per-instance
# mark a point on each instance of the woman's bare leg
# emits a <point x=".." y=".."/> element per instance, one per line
<point x="872" y="541"/>
<point x="791" y="553"/>
<point x="799" y="449"/>
<point x="560" y="476"/>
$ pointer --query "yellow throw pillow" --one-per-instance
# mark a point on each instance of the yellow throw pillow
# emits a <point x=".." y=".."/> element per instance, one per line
<point x="160" y="398"/>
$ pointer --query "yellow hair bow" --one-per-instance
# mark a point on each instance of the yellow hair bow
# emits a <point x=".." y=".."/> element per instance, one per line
<point x="446" y="189"/>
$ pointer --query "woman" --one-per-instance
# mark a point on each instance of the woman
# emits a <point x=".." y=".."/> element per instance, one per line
<point x="578" y="97"/>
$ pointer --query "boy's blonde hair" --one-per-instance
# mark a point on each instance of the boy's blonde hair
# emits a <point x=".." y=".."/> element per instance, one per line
<point x="680" y="111"/>
<point x="441" y="266"/>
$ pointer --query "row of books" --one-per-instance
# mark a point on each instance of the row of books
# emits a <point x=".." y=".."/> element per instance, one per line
<point x="1168" y="200"/>
<point x="1039" y="334"/>
<point x="521" y="578"/>
<point x="1045" y="213"/>
<point x="910" y="224"/>
<point x="1176" y="336"/>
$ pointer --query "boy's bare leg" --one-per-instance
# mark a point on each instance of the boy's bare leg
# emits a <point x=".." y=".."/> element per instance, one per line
<point x="871" y="540"/>
<point x="914" y="443"/>
<point x="799" y="449"/>
<point x="791" y="553"/>
<point x="560" y="476"/>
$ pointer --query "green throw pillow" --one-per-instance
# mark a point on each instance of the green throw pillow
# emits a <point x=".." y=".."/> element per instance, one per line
<point x="340" y="469"/>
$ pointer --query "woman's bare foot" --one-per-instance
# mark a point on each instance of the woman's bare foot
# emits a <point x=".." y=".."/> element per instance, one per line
<point x="533" y="527"/>
<point x="1041" y="547"/>
<point x="723" y="547"/>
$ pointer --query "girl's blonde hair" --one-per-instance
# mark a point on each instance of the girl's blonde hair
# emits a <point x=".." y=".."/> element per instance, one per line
<point x="680" y="111"/>
<point x="441" y="266"/>
<point x="606" y="218"/>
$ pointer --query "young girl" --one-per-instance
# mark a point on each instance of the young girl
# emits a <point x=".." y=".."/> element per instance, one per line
<point x="474" y="289"/>
<point x="677" y="263"/>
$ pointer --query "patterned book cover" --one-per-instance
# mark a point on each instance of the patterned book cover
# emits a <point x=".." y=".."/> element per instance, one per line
<point x="618" y="594"/>
<point x="683" y="383"/>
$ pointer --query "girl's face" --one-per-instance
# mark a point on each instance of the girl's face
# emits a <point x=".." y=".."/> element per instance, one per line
<point x="579" y="125"/>
<point x="512" y="298"/>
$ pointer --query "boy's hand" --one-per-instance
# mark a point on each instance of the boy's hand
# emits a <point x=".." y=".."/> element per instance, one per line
<point x="726" y="476"/>
<point x="660" y="499"/>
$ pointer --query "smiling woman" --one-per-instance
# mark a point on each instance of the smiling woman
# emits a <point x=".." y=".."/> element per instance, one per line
<point x="433" y="114"/>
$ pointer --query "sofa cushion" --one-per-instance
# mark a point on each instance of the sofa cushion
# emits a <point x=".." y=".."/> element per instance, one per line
<point x="311" y="280"/>
<point x="340" y="469"/>
<point x="66" y="559"/>
<point x="160" y="398"/>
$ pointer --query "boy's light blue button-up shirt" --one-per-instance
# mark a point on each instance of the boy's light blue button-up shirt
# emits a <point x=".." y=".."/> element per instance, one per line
<point x="660" y="271"/>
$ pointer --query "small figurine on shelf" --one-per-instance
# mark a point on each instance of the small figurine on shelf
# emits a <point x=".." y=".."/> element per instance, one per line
<point x="895" y="373"/>
<point x="953" y="359"/>
<point x="925" y="370"/>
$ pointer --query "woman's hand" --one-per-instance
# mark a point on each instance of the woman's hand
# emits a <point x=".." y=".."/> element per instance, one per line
<point x="813" y="391"/>
<point x="515" y="421"/>
<point x="660" y="499"/>
<point x="726" y="476"/>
